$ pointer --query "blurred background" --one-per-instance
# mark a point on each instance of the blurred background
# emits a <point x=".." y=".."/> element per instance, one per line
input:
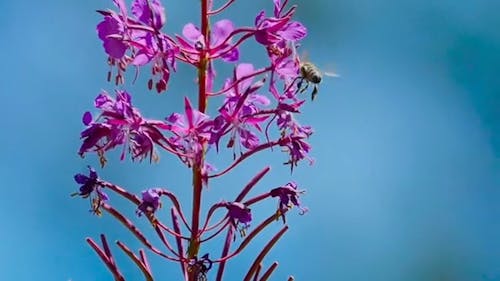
<point x="407" y="143"/>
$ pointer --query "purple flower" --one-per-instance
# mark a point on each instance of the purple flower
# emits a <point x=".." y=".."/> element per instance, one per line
<point x="271" y="30"/>
<point x="142" y="38"/>
<point x="150" y="201"/>
<point x="238" y="113"/>
<point x="220" y="44"/>
<point x="191" y="131"/>
<point x="89" y="184"/>
<point x="239" y="213"/>
<point x="297" y="147"/>
<point x="151" y="14"/>
<point x="106" y="30"/>
<point x="286" y="121"/>
<point x="286" y="67"/>
<point x="288" y="197"/>
<point x="120" y="124"/>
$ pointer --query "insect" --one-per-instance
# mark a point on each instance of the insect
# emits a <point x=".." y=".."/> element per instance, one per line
<point x="200" y="267"/>
<point x="311" y="74"/>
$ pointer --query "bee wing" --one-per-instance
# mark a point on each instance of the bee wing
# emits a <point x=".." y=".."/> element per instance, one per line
<point x="331" y="74"/>
<point x="304" y="56"/>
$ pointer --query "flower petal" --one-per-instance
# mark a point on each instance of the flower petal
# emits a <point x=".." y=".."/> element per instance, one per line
<point x="192" y="33"/>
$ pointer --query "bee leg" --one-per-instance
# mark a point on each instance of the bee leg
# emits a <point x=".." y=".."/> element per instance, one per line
<point x="299" y="86"/>
<point x="314" y="92"/>
<point x="305" y="87"/>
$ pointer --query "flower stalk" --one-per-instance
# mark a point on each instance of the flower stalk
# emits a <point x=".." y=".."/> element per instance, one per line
<point x="246" y="113"/>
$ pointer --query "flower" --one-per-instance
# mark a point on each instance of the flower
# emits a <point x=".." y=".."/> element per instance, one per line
<point x="151" y="14"/>
<point x="286" y="67"/>
<point x="237" y="114"/>
<point x="297" y="148"/>
<point x="239" y="213"/>
<point x="288" y="197"/>
<point x="191" y="131"/>
<point x="89" y="184"/>
<point x="120" y="124"/>
<point x="140" y="36"/>
<point x="220" y="43"/>
<point x="271" y="30"/>
<point x="150" y="201"/>
<point x="106" y="30"/>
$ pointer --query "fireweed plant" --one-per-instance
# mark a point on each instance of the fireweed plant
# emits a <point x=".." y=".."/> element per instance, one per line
<point x="257" y="113"/>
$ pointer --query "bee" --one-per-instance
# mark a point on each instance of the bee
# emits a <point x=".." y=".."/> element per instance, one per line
<point x="311" y="74"/>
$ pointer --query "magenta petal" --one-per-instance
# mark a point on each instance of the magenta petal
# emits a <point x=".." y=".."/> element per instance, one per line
<point x="248" y="139"/>
<point x="194" y="117"/>
<point x="260" y="16"/>
<point x="102" y="195"/>
<point x="87" y="118"/>
<point x="221" y="31"/>
<point x="141" y="59"/>
<point x="103" y="101"/>
<point x="192" y="33"/>
<point x="232" y="56"/>
<point x="159" y="11"/>
<point x="113" y="47"/>
<point x="141" y="9"/>
<point x="189" y="112"/>
<point x="260" y="99"/>
<point x="174" y="118"/>
<point x="107" y="26"/>
<point x="294" y="31"/>
<point x="244" y="69"/>
<point x="277" y="7"/>
<point x="81" y="179"/>
<point x="121" y="6"/>
<point x="266" y="38"/>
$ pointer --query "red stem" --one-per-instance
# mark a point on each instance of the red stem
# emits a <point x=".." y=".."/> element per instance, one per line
<point x="178" y="240"/>
<point x="108" y="261"/>
<point x="227" y="4"/>
<point x="268" y="272"/>
<point x="264" y="252"/>
<point x="254" y="74"/>
<point x="194" y="244"/>
<point x="140" y="264"/>
<point x="132" y="228"/>
<point x="249" y="238"/>
<point x="245" y="156"/>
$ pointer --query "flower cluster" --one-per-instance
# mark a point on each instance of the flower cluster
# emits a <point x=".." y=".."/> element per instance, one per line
<point x="258" y="110"/>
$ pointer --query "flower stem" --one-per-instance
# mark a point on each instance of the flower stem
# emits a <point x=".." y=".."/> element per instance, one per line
<point x="202" y="106"/>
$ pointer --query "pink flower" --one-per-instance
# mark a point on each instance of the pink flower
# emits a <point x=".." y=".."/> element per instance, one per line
<point x="220" y="43"/>
<point x="120" y="124"/>
<point x="271" y="30"/>
<point x="191" y="130"/>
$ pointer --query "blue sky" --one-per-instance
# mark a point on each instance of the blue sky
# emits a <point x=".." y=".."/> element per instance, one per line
<point x="407" y="143"/>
